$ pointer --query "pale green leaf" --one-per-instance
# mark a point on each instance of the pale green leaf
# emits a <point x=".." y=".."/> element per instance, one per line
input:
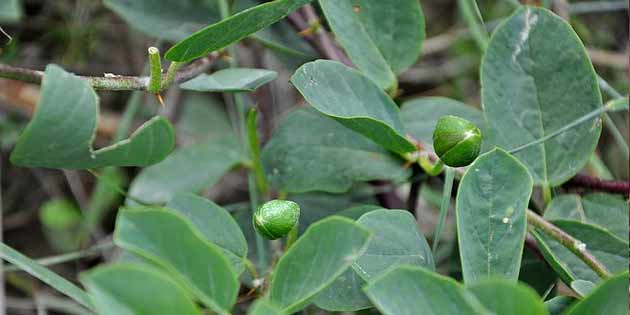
<point x="264" y="307"/>
<point x="61" y="133"/>
<point x="311" y="152"/>
<point x="582" y="287"/>
<point x="45" y="275"/>
<point x="405" y="290"/>
<point x="190" y="169"/>
<point x="216" y="225"/>
<point x="344" y="294"/>
<point x="232" y="29"/>
<point x="491" y="203"/>
<point x="382" y="38"/>
<point x="608" y="249"/>
<point x="168" y="240"/>
<point x="559" y="304"/>
<point x="10" y="10"/>
<point x="354" y="100"/>
<point x="503" y="296"/>
<point x="607" y="211"/>
<point x="306" y="269"/>
<point x="124" y="289"/>
<point x="230" y="80"/>
<point x="610" y="298"/>
<point x="536" y="78"/>
<point x="203" y="117"/>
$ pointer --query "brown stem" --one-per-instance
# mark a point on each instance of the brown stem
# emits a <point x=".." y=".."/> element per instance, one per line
<point x="575" y="246"/>
<point x="611" y="186"/>
<point x="111" y="82"/>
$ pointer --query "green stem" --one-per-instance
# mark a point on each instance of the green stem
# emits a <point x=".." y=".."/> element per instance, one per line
<point x="575" y="246"/>
<point x="472" y="16"/>
<point x="600" y="169"/>
<point x="292" y="237"/>
<point x="155" y="73"/>
<point x="617" y="135"/>
<point x="254" y="149"/>
<point x="170" y="73"/>
<point x="60" y="259"/>
<point x="446" y="202"/>
<point x="430" y="168"/>
<point x="607" y="88"/>
<point x="547" y="194"/>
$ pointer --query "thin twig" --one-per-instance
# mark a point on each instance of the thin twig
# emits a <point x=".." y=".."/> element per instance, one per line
<point x="112" y="82"/>
<point x="414" y="190"/>
<point x="611" y="186"/>
<point x="575" y="246"/>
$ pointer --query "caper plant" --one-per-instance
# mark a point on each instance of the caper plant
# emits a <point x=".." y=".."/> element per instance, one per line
<point x="324" y="227"/>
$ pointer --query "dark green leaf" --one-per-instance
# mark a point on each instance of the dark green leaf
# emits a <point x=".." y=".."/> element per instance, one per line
<point x="503" y="296"/>
<point x="232" y="29"/>
<point x="305" y="270"/>
<point x="606" y="211"/>
<point x="607" y="248"/>
<point x="610" y="298"/>
<point x="407" y="290"/>
<point x="170" y="20"/>
<point x="311" y="152"/>
<point x="202" y="118"/>
<point x="382" y="38"/>
<point x="190" y="169"/>
<point x="230" y="80"/>
<point x="134" y="289"/>
<point x="61" y="132"/>
<point x="345" y="294"/>
<point x="536" y="78"/>
<point x="354" y="100"/>
<point x="45" y="275"/>
<point x="420" y="115"/>
<point x="491" y="203"/>
<point x="559" y="304"/>
<point x="168" y="240"/>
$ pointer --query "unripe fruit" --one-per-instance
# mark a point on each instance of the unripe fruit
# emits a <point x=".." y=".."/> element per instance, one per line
<point x="456" y="141"/>
<point x="276" y="218"/>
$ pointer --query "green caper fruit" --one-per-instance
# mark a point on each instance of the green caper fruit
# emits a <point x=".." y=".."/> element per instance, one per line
<point x="276" y="218"/>
<point x="456" y="141"/>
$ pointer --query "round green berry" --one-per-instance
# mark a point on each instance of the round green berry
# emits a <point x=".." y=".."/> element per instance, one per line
<point x="276" y="218"/>
<point x="456" y="141"/>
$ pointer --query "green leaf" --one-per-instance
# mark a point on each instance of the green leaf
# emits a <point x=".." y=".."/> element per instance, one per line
<point x="216" y="225"/>
<point x="607" y="211"/>
<point x="582" y="287"/>
<point x="310" y="152"/>
<point x="610" y="298"/>
<point x="608" y="249"/>
<point x="491" y="203"/>
<point x="203" y="117"/>
<point x="619" y="104"/>
<point x="503" y="296"/>
<point x="559" y="304"/>
<point x="264" y="307"/>
<point x="61" y="133"/>
<point x="190" y="169"/>
<point x="366" y="109"/>
<point x="45" y="275"/>
<point x="536" y="78"/>
<point x="420" y="115"/>
<point x="125" y="289"/>
<point x="397" y="241"/>
<point x="305" y="270"/>
<point x="10" y="10"/>
<point x="230" y="80"/>
<point x="169" y="20"/>
<point x="168" y="240"/>
<point x="405" y="290"/>
<point x="232" y="29"/>
<point x="382" y="38"/>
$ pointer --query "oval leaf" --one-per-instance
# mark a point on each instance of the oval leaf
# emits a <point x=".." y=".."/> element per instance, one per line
<point x="169" y="241"/>
<point x="506" y="297"/>
<point x="216" y="225"/>
<point x="61" y="133"/>
<point x="134" y="289"/>
<point x="491" y="203"/>
<point x="354" y="100"/>
<point x="610" y="298"/>
<point x="305" y="270"/>
<point x="536" y="78"/>
<point x="232" y="29"/>
<point x="189" y="169"/>
<point x="382" y="38"/>
<point x="230" y="80"/>
<point x="405" y="290"/>
<point x="310" y="152"/>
